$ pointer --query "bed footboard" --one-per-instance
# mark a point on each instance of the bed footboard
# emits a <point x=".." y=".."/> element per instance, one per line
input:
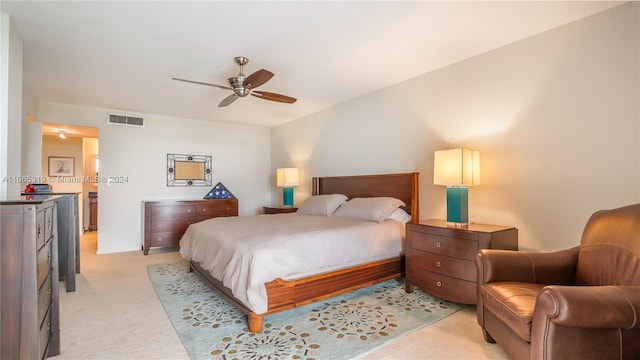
<point x="283" y="295"/>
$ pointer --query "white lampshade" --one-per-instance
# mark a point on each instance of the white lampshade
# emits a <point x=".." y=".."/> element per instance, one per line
<point x="287" y="177"/>
<point x="456" y="167"/>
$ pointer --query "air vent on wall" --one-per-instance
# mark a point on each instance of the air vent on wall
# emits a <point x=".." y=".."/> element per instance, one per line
<point x="126" y="120"/>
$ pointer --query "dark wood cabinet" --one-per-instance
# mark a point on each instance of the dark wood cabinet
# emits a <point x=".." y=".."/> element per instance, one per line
<point x="278" y="209"/>
<point x="29" y="294"/>
<point x="441" y="259"/>
<point x="93" y="211"/>
<point x="166" y="221"/>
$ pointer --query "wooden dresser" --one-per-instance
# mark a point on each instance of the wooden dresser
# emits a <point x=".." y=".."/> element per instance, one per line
<point x="441" y="260"/>
<point x="165" y="221"/>
<point x="29" y="300"/>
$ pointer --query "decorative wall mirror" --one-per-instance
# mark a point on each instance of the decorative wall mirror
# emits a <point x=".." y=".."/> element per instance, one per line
<point x="188" y="170"/>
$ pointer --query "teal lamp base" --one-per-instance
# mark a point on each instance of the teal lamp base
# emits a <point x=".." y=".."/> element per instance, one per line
<point x="458" y="205"/>
<point x="287" y="196"/>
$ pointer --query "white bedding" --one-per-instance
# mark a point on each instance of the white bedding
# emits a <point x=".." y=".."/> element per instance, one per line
<point x="247" y="251"/>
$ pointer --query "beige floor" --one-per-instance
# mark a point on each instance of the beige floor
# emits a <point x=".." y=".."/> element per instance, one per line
<point x="115" y="314"/>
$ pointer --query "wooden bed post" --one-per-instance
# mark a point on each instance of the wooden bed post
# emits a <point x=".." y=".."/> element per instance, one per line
<point x="255" y="322"/>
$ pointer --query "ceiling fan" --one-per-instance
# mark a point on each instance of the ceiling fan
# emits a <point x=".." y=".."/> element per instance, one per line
<point x="244" y="85"/>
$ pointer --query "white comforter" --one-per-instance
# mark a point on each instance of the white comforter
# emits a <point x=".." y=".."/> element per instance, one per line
<point x="246" y="252"/>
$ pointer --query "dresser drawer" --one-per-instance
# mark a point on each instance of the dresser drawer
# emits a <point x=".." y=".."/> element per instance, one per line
<point x="40" y="229"/>
<point x="43" y="264"/>
<point x="444" y="265"/>
<point x="43" y="335"/>
<point x="464" y="249"/>
<point x="48" y="224"/>
<point x="211" y="216"/>
<point x="175" y="224"/>
<point x="217" y="208"/>
<point x="44" y="299"/>
<point x="446" y="287"/>
<point x="172" y="210"/>
<point x="166" y="239"/>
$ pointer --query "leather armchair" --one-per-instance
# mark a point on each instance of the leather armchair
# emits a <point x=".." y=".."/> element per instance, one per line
<point x="579" y="303"/>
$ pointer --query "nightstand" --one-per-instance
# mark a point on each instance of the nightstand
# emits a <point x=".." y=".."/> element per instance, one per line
<point x="440" y="259"/>
<point x="278" y="209"/>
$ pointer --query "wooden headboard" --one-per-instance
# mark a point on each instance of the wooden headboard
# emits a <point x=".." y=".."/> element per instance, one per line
<point x="400" y="186"/>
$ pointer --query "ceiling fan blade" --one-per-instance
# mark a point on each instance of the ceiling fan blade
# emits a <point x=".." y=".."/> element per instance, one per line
<point x="273" y="97"/>
<point x="257" y="78"/>
<point x="228" y="100"/>
<point x="204" y="83"/>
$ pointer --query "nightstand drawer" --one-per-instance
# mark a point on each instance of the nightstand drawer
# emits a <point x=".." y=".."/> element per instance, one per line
<point x="460" y="248"/>
<point x="446" y="287"/>
<point x="444" y="265"/>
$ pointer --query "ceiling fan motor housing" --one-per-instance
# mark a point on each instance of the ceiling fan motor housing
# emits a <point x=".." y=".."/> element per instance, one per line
<point x="237" y="84"/>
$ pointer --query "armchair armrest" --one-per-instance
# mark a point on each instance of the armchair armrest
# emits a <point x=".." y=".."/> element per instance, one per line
<point x="556" y="267"/>
<point x="613" y="307"/>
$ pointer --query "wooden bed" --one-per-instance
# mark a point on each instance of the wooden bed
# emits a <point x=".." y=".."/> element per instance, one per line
<point x="283" y="295"/>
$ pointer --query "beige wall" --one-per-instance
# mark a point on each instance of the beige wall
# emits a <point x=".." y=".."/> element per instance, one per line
<point x="555" y="116"/>
<point x="240" y="154"/>
<point x="10" y="107"/>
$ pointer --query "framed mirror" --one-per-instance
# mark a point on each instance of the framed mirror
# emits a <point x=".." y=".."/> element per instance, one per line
<point x="188" y="170"/>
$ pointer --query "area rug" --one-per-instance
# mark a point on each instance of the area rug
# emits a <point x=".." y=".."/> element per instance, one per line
<point x="341" y="327"/>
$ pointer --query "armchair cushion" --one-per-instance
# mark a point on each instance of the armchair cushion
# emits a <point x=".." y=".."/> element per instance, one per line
<point x="513" y="303"/>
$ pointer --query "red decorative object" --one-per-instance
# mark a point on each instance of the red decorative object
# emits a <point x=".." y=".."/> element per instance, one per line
<point x="29" y="189"/>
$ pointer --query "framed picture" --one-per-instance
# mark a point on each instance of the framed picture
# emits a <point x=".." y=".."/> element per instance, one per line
<point x="60" y="166"/>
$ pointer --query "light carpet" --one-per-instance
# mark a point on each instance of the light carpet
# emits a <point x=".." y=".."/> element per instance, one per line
<point x="341" y="327"/>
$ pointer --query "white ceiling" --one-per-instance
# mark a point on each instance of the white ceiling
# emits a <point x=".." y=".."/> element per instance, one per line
<point x="122" y="55"/>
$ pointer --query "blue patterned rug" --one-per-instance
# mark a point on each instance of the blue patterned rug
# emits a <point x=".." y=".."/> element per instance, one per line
<point x="342" y="327"/>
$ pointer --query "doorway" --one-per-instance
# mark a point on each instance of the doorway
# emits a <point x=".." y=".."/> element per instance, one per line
<point x="78" y="145"/>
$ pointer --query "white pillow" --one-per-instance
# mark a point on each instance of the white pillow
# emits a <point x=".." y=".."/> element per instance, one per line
<point x="324" y="205"/>
<point x="370" y="209"/>
<point x="400" y="215"/>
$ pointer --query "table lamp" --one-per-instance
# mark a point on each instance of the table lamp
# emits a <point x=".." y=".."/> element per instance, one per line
<point x="287" y="178"/>
<point x="457" y="169"/>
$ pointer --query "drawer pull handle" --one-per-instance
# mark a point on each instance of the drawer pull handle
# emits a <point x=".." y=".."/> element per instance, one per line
<point x="204" y="210"/>
<point x="39" y="231"/>
<point x="438" y="264"/>
<point x="439" y="244"/>
<point x="438" y="283"/>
